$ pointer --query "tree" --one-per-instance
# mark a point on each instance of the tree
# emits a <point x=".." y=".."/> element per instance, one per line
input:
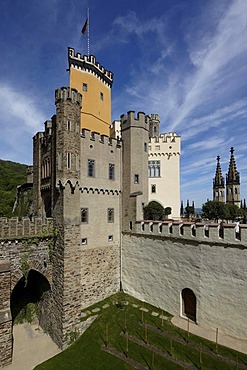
<point x="153" y="211"/>
<point x="215" y="210"/>
<point x="233" y="212"/>
<point x="219" y="210"/>
<point x="189" y="210"/>
<point x="168" y="211"/>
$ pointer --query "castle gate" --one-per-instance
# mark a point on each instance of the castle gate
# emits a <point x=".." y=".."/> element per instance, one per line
<point x="25" y="275"/>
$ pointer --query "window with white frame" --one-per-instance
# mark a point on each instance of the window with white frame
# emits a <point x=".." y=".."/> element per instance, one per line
<point x="153" y="168"/>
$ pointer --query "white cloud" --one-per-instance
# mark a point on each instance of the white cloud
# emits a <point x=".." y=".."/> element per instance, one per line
<point x="228" y="43"/>
<point x="21" y="117"/>
<point x="19" y="107"/>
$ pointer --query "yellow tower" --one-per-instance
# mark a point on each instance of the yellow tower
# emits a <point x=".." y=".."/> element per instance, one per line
<point x="94" y="82"/>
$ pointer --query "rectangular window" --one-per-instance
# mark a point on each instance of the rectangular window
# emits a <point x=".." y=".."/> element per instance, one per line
<point x="68" y="125"/>
<point x="101" y="96"/>
<point x="145" y="147"/>
<point x="153" y="188"/>
<point x="110" y="215"/>
<point x="110" y="238"/>
<point x="84" y="87"/>
<point x="84" y="215"/>
<point x="84" y="241"/>
<point x="68" y="161"/>
<point x="136" y="179"/>
<point x="153" y="168"/>
<point x="111" y="171"/>
<point x="91" y="168"/>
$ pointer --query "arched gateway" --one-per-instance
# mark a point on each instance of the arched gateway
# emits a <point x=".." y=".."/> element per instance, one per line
<point x="29" y="290"/>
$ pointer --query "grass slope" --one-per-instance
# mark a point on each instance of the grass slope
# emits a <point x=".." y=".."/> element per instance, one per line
<point x="148" y="341"/>
<point x="11" y="175"/>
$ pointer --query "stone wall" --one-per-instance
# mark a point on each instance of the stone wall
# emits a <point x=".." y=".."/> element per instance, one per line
<point x="5" y="315"/>
<point x="100" y="273"/>
<point x="13" y="228"/>
<point x="157" y="267"/>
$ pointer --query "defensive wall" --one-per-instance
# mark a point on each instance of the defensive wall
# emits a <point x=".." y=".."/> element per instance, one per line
<point x="160" y="259"/>
<point x="24" y="247"/>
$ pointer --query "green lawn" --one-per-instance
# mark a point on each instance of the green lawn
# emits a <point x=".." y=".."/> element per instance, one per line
<point x="140" y="336"/>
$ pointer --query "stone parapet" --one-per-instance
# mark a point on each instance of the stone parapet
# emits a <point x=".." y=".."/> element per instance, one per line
<point x="13" y="228"/>
<point x="97" y="137"/>
<point x="212" y="233"/>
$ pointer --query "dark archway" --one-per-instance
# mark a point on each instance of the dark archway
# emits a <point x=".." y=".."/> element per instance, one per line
<point x="189" y="304"/>
<point x="28" y="291"/>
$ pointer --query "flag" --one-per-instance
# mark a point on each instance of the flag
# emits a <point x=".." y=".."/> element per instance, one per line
<point x="84" y="28"/>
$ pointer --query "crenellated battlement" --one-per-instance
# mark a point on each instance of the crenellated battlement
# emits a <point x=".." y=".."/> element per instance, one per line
<point x="13" y="228"/>
<point x="171" y="137"/>
<point x="165" y="144"/>
<point x="66" y="93"/>
<point x="198" y="232"/>
<point x="93" y="136"/>
<point x="154" y="117"/>
<point x="89" y="65"/>
<point x="130" y="120"/>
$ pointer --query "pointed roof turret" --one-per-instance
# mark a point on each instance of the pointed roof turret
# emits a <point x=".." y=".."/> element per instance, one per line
<point x="218" y="180"/>
<point x="232" y="177"/>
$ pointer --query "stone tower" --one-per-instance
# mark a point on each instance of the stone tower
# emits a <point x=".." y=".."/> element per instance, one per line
<point x="94" y="82"/>
<point x="154" y="125"/>
<point x="232" y="182"/>
<point x="218" y="184"/>
<point x="134" y="169"/>
<point x="66" y="290"/>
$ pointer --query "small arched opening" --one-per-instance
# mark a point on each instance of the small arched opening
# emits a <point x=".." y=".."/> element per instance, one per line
<point x="189" y="304"/>
<point x="26" y="296"/>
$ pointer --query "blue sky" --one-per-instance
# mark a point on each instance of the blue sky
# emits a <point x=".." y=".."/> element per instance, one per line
<point x="183" y="59"/>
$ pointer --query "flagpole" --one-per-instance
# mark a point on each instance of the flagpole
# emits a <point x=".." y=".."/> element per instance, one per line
<point x="88" y="32"/>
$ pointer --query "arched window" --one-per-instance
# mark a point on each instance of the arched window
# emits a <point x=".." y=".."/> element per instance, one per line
<point x="189" y="304"/>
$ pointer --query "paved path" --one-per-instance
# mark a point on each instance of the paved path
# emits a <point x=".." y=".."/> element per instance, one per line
<point x="238" y="344"/>
<point x="31" y="347"/>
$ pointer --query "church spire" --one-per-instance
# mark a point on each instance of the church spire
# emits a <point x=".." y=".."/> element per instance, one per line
<point x="218" y="184"/>
<point x="233" y="175"/>
<point x="232" y="182"/>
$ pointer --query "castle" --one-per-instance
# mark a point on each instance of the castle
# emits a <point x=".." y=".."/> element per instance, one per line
<point x="93" y="187"/>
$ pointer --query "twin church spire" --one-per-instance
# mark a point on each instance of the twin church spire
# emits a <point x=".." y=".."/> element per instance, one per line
<point x="232" y="183"/>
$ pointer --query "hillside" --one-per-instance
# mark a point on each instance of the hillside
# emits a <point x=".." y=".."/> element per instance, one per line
<point x="11" y="175"/>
